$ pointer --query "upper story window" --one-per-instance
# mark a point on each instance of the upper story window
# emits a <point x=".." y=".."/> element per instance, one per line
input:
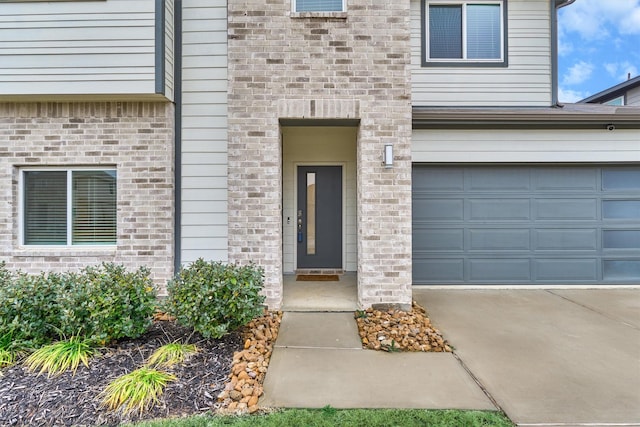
<point x="616" y="101"/>
<point x="464" y="33"/>
<point x="69" y="207"/>
<point x="318" y="5"/>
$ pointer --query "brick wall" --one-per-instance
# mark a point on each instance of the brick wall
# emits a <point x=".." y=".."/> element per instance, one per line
<point x="335" y="65"/>
<point x="135" y="137"/>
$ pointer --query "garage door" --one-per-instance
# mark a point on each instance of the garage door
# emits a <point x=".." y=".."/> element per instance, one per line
<point x="526" y="225"/>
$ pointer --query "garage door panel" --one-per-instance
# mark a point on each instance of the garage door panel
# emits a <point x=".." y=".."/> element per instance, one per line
<point x="563" y="209"/>
<point x="439" y="239"/>
<point x="621" y="209"/>
<point x="495" y="209"/>
<point x="506" y="179"/>
<point x="439" y="270"/>
<point x="622" y="270"/>
<point x="439" y="180"/>
<point x="566" y="179"/>
<point x="621" y="239"/>
<point x="438" y="209"/>
<point x="499" y="270"/>
<point x="499" y="239"/>
<point x="559" y="239"/>
<point x="515" y="225"/>
<point x="562" y="270"/>
<point x="621" y="179"/>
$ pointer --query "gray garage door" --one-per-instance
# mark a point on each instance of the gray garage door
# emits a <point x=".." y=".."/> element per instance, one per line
<point x="526" y="225"/>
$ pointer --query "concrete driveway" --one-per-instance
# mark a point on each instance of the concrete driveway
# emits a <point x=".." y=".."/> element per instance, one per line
<point x="548" y="357"/>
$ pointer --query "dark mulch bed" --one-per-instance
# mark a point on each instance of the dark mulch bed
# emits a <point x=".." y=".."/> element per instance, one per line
<point x="27" y="399"/>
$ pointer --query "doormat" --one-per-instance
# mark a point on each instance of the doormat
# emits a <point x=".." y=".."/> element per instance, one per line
<point x="318" y="278"/>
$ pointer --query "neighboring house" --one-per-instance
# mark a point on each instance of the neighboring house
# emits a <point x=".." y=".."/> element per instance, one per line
<point x="413" y="142"/>
<point x="625" y="93"/>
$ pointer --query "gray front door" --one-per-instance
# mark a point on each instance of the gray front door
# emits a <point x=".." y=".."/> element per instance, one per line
<point x="319" y="217"/>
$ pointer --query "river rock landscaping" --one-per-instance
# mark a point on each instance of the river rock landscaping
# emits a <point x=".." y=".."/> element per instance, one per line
<point x="398" y="330"/>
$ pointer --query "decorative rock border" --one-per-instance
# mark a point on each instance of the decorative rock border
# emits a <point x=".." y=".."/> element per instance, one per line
<point x="249" y="366"/>
<point x="398" y="330"/>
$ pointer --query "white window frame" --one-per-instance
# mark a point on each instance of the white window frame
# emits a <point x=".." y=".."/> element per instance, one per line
<point x="69" y="171"/>
<point x="464" y="61"/>
<point x="294" y="10"/>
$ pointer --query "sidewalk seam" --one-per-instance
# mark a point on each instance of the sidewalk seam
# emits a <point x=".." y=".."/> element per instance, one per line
<point x="586" y="307"/>
<point x="477" y="381"/>
<point x="310" y="347"/>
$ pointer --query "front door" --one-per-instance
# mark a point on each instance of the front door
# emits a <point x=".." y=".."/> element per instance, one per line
<point x="319" y="217"/>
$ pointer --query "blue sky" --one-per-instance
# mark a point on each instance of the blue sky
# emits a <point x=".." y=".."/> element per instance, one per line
<point x="598" y="45"/>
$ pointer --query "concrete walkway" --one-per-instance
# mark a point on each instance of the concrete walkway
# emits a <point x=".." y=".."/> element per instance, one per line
<point x="547" y="358"/>
<point x="318" y="361"/>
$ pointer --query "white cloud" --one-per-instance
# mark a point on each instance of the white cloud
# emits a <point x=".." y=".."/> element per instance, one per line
<point x="578" y="73"/>
<point x="630" y="23"/>
<point x="565" y="47"/>
<point x="569" y="96"/>
<point x="612" y="69"/>
<point x="621" y="70"/>
<point x="595" y="19"/>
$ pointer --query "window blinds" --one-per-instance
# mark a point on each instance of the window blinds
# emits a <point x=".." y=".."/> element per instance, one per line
<point x="483" y="31"/>
<point x="318" y="5"/>
<point x="445" y="32"/>
<point x="45" y="208"/>
<point x="94" y="207"/>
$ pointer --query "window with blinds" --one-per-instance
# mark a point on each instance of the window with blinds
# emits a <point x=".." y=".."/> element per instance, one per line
<point x="319" y="5"/>
<point x="459" y="31"/>
<point x="69" y="207"/>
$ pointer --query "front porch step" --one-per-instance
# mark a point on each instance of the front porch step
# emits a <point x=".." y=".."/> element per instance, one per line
<point x="312" y="271"/>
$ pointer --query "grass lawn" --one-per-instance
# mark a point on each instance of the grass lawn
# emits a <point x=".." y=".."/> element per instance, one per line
<point x="344" y="418"/>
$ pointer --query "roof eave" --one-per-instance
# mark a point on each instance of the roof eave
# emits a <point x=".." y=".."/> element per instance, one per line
<point x="549" y="118"/>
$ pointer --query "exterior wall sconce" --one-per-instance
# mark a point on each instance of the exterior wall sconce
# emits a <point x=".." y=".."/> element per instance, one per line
<point x="387" y="156"/>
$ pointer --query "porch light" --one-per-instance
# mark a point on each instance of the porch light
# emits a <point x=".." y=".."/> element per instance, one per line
<point x="387" y="156"/>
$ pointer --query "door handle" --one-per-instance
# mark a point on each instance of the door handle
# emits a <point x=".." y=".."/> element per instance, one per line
<point x="299" y="222"/>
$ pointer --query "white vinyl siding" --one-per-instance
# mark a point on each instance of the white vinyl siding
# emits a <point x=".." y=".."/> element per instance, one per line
<point x="525" y="146"/>
<point x="525" y="82"/>
<point x="77" y="48"/>
<point x="204" y="131"/>
<point x="633" y="96"/>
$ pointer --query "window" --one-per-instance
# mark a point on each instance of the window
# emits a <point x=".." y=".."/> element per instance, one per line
<point x="615" y="101"/>
<point x="318" y="5"/>
<point x="69" y="207"/>
<point x="464" y="32"/>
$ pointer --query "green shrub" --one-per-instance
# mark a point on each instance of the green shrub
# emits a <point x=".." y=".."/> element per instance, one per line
<point x="215" y="298"/>
<point x="100" y="304"/>
<point x="106" y="303"/>
<point x="28" y="308"/>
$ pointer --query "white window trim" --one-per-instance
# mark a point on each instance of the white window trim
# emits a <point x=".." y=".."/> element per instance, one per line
<point x="464" y="59"/>
<point x="319" y="12"/>
<point x="21" y="204"/>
